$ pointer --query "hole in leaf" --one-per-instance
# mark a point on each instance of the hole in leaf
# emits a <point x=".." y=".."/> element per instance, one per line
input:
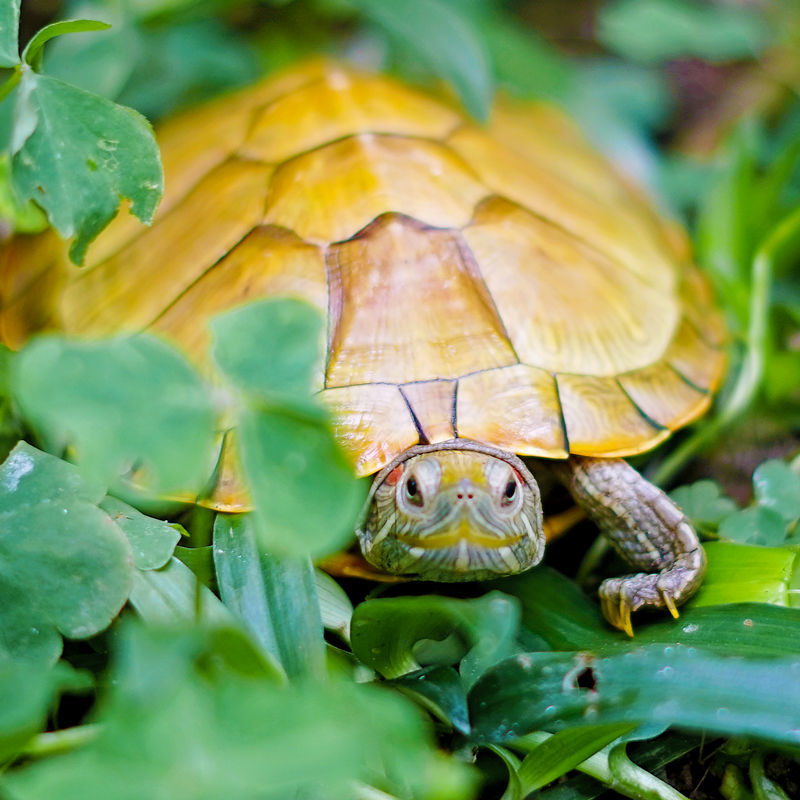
<point x="585" y="679"/>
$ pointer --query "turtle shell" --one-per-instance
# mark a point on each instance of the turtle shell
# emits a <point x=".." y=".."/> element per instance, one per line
<point x="500" y="283"/>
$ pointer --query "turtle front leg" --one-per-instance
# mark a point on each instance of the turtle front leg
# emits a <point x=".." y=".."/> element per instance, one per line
<point x="646" y="528"/>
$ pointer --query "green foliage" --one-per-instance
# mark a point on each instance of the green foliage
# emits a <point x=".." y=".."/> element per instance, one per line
<point x="656" y="30"/>
<point x="27" y="691"/>
<point x="295" y="469"/>
<point x="770" y="520"/>
<point x="66" y="565"/>
<point x="176" y="692"/>
<point x="442" y="36"/>
<point x="657" y="684"/>
<point x="112" y="402"/>
<point x="74" y="153"/>
<point x="274" y="596"/>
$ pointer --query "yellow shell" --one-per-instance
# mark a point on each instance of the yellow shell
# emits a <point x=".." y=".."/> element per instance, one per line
<point x="498" y="283"/>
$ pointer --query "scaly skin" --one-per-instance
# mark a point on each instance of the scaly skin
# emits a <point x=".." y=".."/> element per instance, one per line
<point x="646" y="528"/>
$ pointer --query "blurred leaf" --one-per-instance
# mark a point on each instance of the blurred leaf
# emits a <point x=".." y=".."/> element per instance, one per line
<point x="303" y="488"/>
<point x="777" y="488"/>
<point x="444" y="38"/>
<point x="31" y="53"/>
<point x="64" y="565"/>
<point x="651" y="31"/>
<point x="684" y="686"/>
<point x="725" y="238"/>
<point x="123" y="403"/>
<point x="757" y="525"/>
<point x="385" y="632"/>
<point x="304" y="492"/>
<point x="77" y="154"/>
<point x="740" y="573"/>
<point x="27" y="692"/>
<point x="9" y="27"/>
<point x="282" y="371"/>
<point x="21" y="217"/>
<point x="704" y="503"/>
<point x="185" y="63"/>
<point x="172" y="595"/>
<point x="173" y="702"/>
<point x="441" y="691"/>
<point x="152" y="540"/>
<point x="564" y="751"/>
<point x="524" y="62"/>
<point x="101" y="63"/>
<point x="274" y="596"/>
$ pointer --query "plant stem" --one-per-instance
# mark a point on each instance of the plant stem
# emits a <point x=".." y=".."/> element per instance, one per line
<point x="12" y="81"/>
<point x="63" y="741"/>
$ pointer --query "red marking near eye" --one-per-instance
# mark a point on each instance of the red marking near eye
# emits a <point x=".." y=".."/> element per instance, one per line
<point x="394" y="476"/>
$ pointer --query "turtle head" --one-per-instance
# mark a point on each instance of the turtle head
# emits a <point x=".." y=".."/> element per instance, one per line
<point x="454" y="513"/>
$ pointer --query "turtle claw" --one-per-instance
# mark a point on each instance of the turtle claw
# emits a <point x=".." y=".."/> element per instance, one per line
<point x="617" y="612"/>
<point x="620" y="597"/>
<point x="669" y="603"/>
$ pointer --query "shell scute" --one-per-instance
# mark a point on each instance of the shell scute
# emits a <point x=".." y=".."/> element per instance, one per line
<point x="515" y="408"/>
<point x="566" y="306"/>
<point x="331" y="193"/>
<point x="406" y="305"/>
<point x="341" y="102"/>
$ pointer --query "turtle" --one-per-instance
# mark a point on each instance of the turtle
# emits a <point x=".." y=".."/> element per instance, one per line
<point x="501" y="304"/>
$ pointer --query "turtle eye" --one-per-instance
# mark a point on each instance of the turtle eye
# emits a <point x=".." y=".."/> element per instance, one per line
<point x="509" y="493"/>
<point x="413" y="494"/>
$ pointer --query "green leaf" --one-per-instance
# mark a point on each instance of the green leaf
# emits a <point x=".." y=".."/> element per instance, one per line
<point x="43" y="35"/>
<point x="704" y="503"/>
<point x="652" y="31"/>
<point x="274" y="596"/>
<point x="445" y="40"/>
<point x="725" y="238"/>
<point x="386" y="633"/>
<point x="335" y="606"/>
<point x="22" y="218"/>
<point x="64" y="565"/>
<point x="181" y="723"/>
<point x="304" y="492"/>
<point x="740" y="573"/>
<point x="657" y="684"/>
<point x="172" y="594"/>
<point x="554" y="608"/>
<point x="441" y="691"/>
<point x="9" y="30"/>
<point x="282" y="369"/>
<point x="152" y="540"/>
<point x="27" y="692"/>
<point x="777" y="488"/>
<point x="123" y="403"/>
<point x="564" y="751"/>
<point x="77" y="154"/>
<point x="303" y="488"/>
<point x="523" y="61"/>
<point x="756" y="525"/>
